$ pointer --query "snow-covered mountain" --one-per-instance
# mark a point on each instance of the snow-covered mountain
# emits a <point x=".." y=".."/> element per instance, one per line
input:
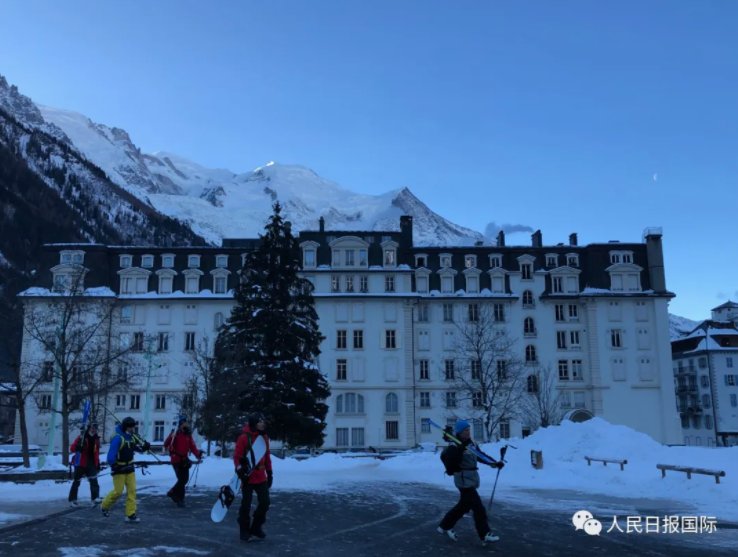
<point x="218" y="203"/>
<point x="680" y="326"/>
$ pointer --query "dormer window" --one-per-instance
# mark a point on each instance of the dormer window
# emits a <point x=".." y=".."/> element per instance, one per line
<point x="71" y="257"/>
<point x="147" y="261"/>
<point x="552" y="260"/>
<point x="390" y="257"/>
<point x="470" y="261"/>
<point x="495" y="261"/>
<point x="220" y="280"/>
<point x="337" y="257"/>
<point x="526" y="271"/>
<point x="621" y="257"/>
<point x="193" y="261"/>
<point x="166" y="280"/>
<point x="627" y="258"/>
<point x="447" y="284"/>
<point x="125" y="261"/>
<point x="572" y="260"/>
<point x="472" y="284"/>
<point x="308" y="258"/>
<point x="363" y="258"/>
<point x="421" y="260"/>
<point x="167" y="260"/>
<point x="221" y="261"/>
<point x="350" y="257"/>
<point x="445" y="260"/>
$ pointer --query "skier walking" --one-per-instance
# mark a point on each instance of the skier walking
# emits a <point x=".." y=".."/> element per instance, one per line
<point x="180" y="445"/>
<point x="466" y="480"/>
<point x="259" y="480"/>
<point x="86" y="451"/>
<point x="120" y="459"/>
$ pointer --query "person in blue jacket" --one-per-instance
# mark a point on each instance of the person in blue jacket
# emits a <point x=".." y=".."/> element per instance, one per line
<point x="120" y="459"/>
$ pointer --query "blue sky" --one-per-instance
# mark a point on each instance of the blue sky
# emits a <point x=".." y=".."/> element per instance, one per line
<point x="589" y="117"/>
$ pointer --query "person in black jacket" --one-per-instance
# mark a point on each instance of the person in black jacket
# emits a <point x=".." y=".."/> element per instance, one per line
<point x="466" y="479"/>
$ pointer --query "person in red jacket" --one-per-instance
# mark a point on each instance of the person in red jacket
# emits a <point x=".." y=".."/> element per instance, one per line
<point x="259" y="480"/>
<point x="180" y="445"/>
<point x="86" y="460"/>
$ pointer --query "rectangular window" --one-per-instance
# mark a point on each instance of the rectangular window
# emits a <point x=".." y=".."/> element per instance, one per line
<point x="341" y="339"/>
<point x="448" y="313"/>
<point x="423" y="340"/>
<point x="350" y="258"/>
<point x="576" y="370"/>
<point x="450" y="399"/>
<point x="120" y="401"/>
<point x="349" y="283"/>
<point x="363" y="261"/>
<point x="357" y="437"/>
<point x="473" y="312"/>
<point x="563" y="370"/>
<point x="449" y="371"/>
<point x="730" y="381"/>
<point x="135" y="402"/>
<point x="472" y="285"/>
<point x="476" y="369"/>
<point x="47" y="374"/>
<point x="364" y="283"/>
<point x="425" y="425"/>
<point x="358" y="339"/>
<point x="165" y="284"/>
<point x="392" y="430"/>
<point x="138" y="342"/>
<point x="733" y="400"/>
<point x="389" y="283"/>
<point x="308" y="258"/>
<point x="616" y="340"/>
<point x="422" y="313"/>
<point x="158" y="431"/>
<point x="560" y="312"/>
<point x="728" y="362"/>
<point x="574" y="339"/>
<point x="526" y="270"/>
<point x="167" y="261"/>
<point x="561" y="340"/>
<point x="551" y="261"/>
<point x="221" y="261"/>
<point x="558" y="285"/>
<point x="499" y="313"/>
<point x="44" y="402"/>
<point x="126" y="314"/>
<point x="447" y="284"/>
<point x="341" y="370"/>
<point x="220" y="285"/>
<point x="163" y="342"/>
<point x="161" y="402"/>
<point x="421" y="284"/>
<point x="390" y="339"/>
<point x="342" y="437"/>
<point x="573" y="312"/>
<point x="189" y="341"/>
<point x="193" y="285"/>
<point x="389" y="258"/>
<point x="501" y="370"/>
<point x="425" y="399"/>
<point x="335" y="283"/>
<point x="504" y="429"/>
<point x="477" y="399"/>
<point x="424" y="370"/>
<point x="579" y="399"/>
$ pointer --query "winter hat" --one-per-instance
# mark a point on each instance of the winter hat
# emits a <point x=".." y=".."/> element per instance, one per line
<point x="182" y="419"/>
<point x="255" y="419"/>
<point x="460" y="426"/>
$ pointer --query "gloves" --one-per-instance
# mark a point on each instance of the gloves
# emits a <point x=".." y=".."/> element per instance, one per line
<point x="270" y="478"/>
<point x="499" y="464"/>
<point x="146" y="446"/>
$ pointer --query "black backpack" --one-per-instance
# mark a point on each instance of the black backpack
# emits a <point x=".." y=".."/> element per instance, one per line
<point x="451" y="461"/>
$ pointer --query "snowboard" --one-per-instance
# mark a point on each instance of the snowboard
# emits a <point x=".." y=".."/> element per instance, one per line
<point x="228" y="492"/>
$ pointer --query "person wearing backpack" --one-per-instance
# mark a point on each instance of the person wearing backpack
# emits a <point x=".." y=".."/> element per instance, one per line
<point x="180" y="444"/>
<point x="86" y="449"/>
<point x="258" y="480"/>
<point x="462" y="463"/>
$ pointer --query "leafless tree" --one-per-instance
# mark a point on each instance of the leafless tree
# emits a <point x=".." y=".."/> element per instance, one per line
<point x="69" y="336"/>
<point x="197" y="386"/>
<point x="542" y="404"/>
<point x="489" y="376"/>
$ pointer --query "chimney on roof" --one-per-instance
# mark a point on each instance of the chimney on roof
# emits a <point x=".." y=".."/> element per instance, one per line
<point x="321" y="224"/>
<point x="500" y="239"/>
<point x="573" y="239"/>
<point x="478" y="244"/>
<point x="655" y="254"/>
<point x="537" y="239"/>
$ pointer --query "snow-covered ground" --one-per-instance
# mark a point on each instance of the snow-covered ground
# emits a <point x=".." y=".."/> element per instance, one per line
<point x="564" y="448"/>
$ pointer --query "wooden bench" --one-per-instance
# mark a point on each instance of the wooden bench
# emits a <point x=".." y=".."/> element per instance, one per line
<point x="621" y="462"/>
<point x="689" y="470"/>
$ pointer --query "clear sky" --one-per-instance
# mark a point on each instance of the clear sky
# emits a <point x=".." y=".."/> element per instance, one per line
<point x="601" y="118"/>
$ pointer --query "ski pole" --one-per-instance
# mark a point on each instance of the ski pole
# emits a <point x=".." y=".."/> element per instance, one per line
<point x="503" y="451"/>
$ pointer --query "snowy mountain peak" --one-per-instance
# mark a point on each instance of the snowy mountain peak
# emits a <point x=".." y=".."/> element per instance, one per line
<point x="218" y="203"/>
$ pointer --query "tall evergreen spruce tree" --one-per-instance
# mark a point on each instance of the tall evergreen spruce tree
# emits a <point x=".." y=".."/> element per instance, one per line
<point x="265" y="355"/>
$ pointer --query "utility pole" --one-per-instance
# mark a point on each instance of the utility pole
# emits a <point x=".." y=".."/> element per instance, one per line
<point x="53" y="409"/>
